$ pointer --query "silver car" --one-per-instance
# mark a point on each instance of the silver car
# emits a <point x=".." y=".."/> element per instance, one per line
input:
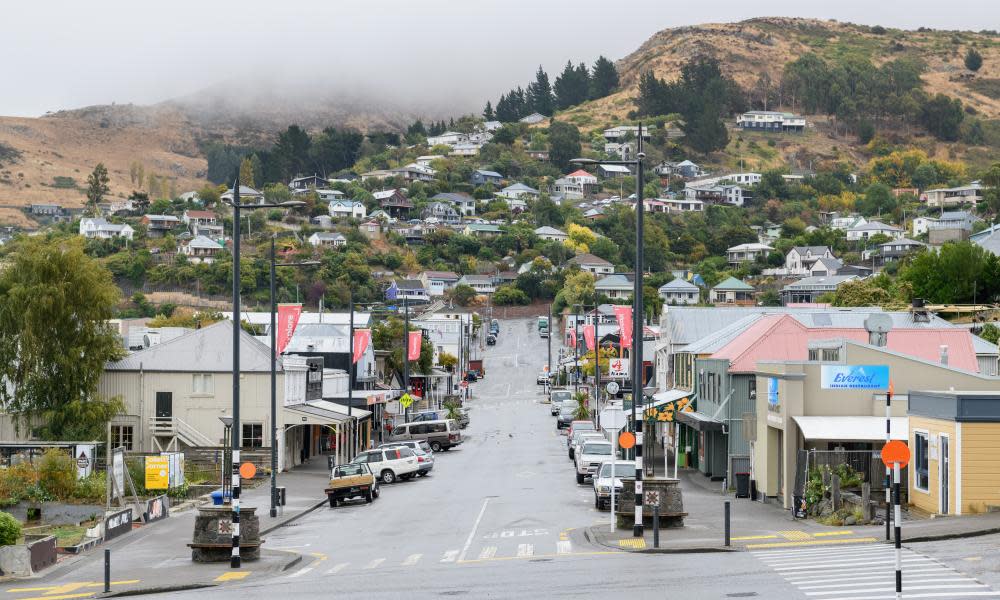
<point x="603" y="482"/>
<point x="558" y="397"/>
<point x="425" y="456"/>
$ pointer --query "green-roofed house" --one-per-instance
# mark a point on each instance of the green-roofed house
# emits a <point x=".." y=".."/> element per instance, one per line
<point x="733" y="292"/>
<point x="481" y="230"/>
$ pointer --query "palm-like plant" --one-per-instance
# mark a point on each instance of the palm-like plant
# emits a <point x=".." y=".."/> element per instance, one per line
<point x="582" y="411"/>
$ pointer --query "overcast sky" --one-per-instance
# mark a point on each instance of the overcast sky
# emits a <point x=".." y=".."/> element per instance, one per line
<point x="67" y="53"/>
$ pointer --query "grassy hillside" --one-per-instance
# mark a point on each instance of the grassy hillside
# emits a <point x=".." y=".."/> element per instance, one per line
<point x="752" y="48"/>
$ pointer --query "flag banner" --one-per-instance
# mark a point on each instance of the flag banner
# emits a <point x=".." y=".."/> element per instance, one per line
<point x="572" y="338"/>
<point x="362" y="337"/>
<point x="624" y="316"/>
<point x="588" y="336"/>
<point x="288" y="319"/>
<point x="413" y="346"/>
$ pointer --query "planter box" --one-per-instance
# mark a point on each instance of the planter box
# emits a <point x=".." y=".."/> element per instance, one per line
<point x="57" y="513"/>
<point x="24" y="560"/>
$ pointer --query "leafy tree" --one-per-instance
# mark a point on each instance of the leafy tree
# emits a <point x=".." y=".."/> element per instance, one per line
<point x="924" y="176"/>
<point x="572" y="86"/>
<point x="463" y="294"/>
<point x="942" y="115"/>
<point x="291" y="153"/>
<point x="564" y="144"/>
<point x="388" y="335"/>
<point x="604" y="78"/>
<point x="960" y="272"/>
<point x="973" y="60"/>
<point x="97" y="186"/>
<point x="579" y="288"/>
<point x="488" y="113"/>
<point x="878" y="200"/>
<point x="865" y="292"/>
<point x="209" y="195"/>
<point x="990" y="333"/>
<point x="540" y="94"/>
<point x="50" y="291"/>
<point x="508" y="295"/>
<point x="338" y="149"/>
<point x="247" y="175"/>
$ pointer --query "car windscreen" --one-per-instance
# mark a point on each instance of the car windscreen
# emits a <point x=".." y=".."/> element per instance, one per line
<point x="349" y="470"/>
<point x="583" y="426"/>
<point x="597" y="449"/>
<point x="560" y="396"/>
<point x="567" y="410"/>
<point x="621" y="470"/>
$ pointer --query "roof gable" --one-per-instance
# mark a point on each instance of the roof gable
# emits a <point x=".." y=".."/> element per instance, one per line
<point x="206" y="350"/>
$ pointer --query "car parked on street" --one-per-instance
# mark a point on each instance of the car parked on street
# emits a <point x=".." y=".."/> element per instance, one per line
<point x="350" y="481"/>
<point x="441" y="434"/>
<point x="390" y="464"/>
<point x="491" y="340"/>
<point x="590" y="457"/>
<point x="543" y="378"/>
<point x="425" y="456"/>
<point x="558" y="397"/>
<point x="579" y="437"/>
<point x="441" y="414"/>
<point x="579" y="425"/>
<point x="567" y="412"/>
<point x="605" y="484"/>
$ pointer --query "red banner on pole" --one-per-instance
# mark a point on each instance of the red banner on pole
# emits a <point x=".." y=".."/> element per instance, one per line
<point x="572" y="337"/>
<point x="288" y="319"/>
<point x="413" y="347"/>
<point x="588" y="336"/>
<point x="361" y="339"/>
<point x="624" y="316"/>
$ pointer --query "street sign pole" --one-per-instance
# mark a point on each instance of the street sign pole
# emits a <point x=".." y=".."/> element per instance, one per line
<point x="888" y="438"/>
<point x="898" y="533"/>
<point x="613" y="419"/>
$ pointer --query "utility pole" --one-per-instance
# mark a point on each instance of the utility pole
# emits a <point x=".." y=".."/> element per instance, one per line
<point x="406" y="353"/>
<point x="350" y="380"/>
<point x="548" y="339"/>
<point x="597" y="366"/>
<point x="576" y="352"/>
<point x="274" y="395"/>
<point x="234" y="560"/>
<point x="637" y="329"/>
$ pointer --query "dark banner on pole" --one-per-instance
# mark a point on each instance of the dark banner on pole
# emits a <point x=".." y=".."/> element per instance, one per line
<point x="157" y="508"/>
<point x="117" y="523"/>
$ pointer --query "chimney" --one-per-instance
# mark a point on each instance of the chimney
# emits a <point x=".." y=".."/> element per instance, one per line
<point x="944" y="355"/>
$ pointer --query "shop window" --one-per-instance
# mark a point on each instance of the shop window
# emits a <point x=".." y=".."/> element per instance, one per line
<point x="920" y="471"/>
<point x="122" y="436"/>
<point x="253" y="435"/>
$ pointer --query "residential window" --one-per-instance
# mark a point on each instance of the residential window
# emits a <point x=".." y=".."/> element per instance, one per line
<point x="253" y="435"/>
<point x="122" y="436"/>
<point x="814" y="354"/>
<point x="202" y="383"/>
<point x="831" y="354"/>
<point x="920" y="470"/>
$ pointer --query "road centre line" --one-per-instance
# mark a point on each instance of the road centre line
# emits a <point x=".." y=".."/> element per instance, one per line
<point x="475" y="528"/>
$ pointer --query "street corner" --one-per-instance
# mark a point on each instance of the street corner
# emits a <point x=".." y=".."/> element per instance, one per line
<point x="669" y="542"/>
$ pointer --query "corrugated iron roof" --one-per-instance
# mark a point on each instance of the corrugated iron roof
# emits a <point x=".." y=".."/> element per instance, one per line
<point x="207" y="350"/>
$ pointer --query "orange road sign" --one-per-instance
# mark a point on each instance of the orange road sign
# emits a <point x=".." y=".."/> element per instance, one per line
<point x="896" y="452"/>
<point x="248" y="470"/>
<point x="626" y="439"/>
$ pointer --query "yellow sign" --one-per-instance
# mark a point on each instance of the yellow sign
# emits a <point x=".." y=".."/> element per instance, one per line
<point x="157" y="472"/>
<point x="665" y="412"/>
<point x="406" y="400"/>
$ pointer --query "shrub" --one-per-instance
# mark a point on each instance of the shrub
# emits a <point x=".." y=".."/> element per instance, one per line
<point x="91" y="488"/>
<point x="15" y="481"/>
<point x="57" y="473"/>
<point x="10" y="529"/>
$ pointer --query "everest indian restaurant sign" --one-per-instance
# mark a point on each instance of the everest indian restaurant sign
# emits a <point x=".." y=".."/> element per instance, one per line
<point x="855" y="377"/>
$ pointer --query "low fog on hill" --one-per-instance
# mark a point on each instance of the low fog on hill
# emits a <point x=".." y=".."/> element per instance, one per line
<point x="434" y="57"/>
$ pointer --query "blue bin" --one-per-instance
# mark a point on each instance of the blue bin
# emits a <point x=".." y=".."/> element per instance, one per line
<point x="217" y="498"/>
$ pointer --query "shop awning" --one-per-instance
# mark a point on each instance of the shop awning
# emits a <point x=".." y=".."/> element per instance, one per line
<point x="341" y="409"/>
<point x="309" y="414"/>
<point x="852" y="429"/>
<point x="667" y="404"/>
<point x="661" y="398"/>
<point x="699" y="421"/>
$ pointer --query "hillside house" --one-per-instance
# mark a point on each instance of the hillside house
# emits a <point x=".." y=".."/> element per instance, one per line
<point x="684" y="169"/>
<point x="716" y="193"/>
<point x="617" y="286"/>
<point x="371" y="229"/>
<point x="592" y="264"/>
<point x="483" y="284"/>
<point x="533" y="119"/>
<point x="613" y="171"/>
<point x="732" y="291"/>
<point x="438" y="282"/>
<point x="448" y="138"/>
<point x="944" y="197"/>
<point x="808" y="290"/>
<point x="45" y="210"/>
<point x="679" y="292"/>
<point x="622" y="150"/>
<point x="159" y="225"/>
<point x="480" y="177"/>
<point x="442" y="211"/>
<point x="538" y="154"/>
<point x="742" y="253"/>
<point x="800" y="259"/>
<point x="100" y="229"/>
<point x="519" y="190"/>
<point x="463" y="203"/>
<point x="871" y="228"/>
<point x="306" y="183"/>
<point x="203" y="222"/>
<point x="412" y="290"/>
<point x="201" y="249"/>
<point x="394" y="202"/>
<point x="347" y="209"/>
<point x="248" y="195"/>
<point x="325" y="239"/>
<point x="894" y="250"/>
<point x="682" y="205"/>
<point x="426" y="159"/>
<point x="551" y="234"/>
<point x="621" y="132"/>
<point x="826" y="266"/>
<point x="951" y="227"/>
<point x="482" y="230"/>
<point x="848" y="222"/>
<point x="771" y="121"/>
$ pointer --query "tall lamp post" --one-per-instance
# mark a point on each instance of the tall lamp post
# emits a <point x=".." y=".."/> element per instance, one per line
<point x="274" y="376"/>
<point x="637" y="313"/>
<point x="234" y="560"/>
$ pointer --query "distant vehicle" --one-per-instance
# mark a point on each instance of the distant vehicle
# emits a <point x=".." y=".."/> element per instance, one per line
<point x="350" y="481"/>
<point x="441" y="434"/>
<point x="491" y="340"/>
<point x="543" y="378"/>
<point x="558" y="397"/>
<point x="590" y="457"/>
<point x="494" y="326"/>
<point x="605" y="485"/>
<point x="476" y="364"/>
<point x="543" y="333"/>
<point x="390" y="464"/>
<point x="581" y="425"/>
<point x="567" y="412"/>
<point x="440" y="415"/>
<point x="425" y="455"/>
<point x="543" y="324"/>
<point x="580" y="437"/>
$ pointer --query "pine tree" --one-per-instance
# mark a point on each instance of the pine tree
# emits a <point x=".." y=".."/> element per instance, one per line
<point x="540" y="98"/>
<point x="564" y="87"/>
<point x="488" y="112"/>
<point x="97" y="186"/>
<point x="604" y="78"/>
<point x="973" y="59"/>
<point x="581" y="84"/>
<point x="505" y="112"/>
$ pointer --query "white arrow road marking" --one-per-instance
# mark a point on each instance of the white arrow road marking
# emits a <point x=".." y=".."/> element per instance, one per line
<point x="337" y="569"/>
<point x="412" y="560"/>
<point x="564" y="547"/>
<point x="449" y="556"/>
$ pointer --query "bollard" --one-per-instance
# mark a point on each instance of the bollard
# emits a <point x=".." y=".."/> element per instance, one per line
<point x="107" y="570"/>
<point x="727" y="522"/>
<point x="656" y="525"/>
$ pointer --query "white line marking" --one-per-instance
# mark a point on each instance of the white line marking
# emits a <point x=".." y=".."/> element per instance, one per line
<point x="472" y="534"/>
<point x="412" y="560"/>
<point x="375" y="563"/>
<point x="525" y="550"/>
<point x="909" y="580"/>
<point x="337" y="569"/>
<point x="841" y="564"/>
<point x="907" y="587"/>
<point x="487" y="552"/>
<point x="564" y="547"/>
<point x="300" y="572"/>
<point x="449" y="556"/>
<point x="865" y="574"/>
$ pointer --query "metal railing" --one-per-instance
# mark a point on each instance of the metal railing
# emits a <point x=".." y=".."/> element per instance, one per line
<point x="175" y="426"/>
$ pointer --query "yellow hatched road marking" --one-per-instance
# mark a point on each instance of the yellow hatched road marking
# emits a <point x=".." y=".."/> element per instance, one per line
<point x="830" y="533"/>
<point x="61" y="596"/>
<point x="794" y="534"/>
<point x="812" y="543"/>
<point x="51" y="590"/>
<point x="754" y="537"/>
<point x="233" y="576"/>
<point x="634" y="543"/>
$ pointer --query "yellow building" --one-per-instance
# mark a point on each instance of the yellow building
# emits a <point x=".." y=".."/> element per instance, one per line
<point x="954" y="440"/>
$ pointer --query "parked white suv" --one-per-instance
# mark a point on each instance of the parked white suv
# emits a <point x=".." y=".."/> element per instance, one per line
<point x="589" y="458"/>
<point x="605" y="484"/>
<point x="390" y="464"/>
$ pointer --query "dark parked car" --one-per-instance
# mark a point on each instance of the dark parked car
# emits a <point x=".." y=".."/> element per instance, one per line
<point x="491" y="340"/>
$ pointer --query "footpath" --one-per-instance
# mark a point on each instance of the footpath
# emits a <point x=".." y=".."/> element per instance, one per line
<point x="155" y="558"/>
<point x="764" y="525"/>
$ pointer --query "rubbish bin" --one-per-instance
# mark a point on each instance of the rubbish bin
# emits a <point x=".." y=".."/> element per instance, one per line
<point x="217" y="498"/>
<point x="742" y="485"/>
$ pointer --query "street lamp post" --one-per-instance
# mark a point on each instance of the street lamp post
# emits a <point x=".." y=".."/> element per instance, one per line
<point x="637" y="314"/>
<point x="274" y="376"/>
<point x="234" y="561"/>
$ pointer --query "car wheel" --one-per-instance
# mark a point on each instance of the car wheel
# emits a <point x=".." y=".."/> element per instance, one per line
<point x="436" y="446"/>
<point x="388" y="477"/>
<point x="333" y="502"/>
<point x="570" y="452"/>
<point x="597" y="502"/>
<point x="579" y="478"/>
<point x="377" y="491"/>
